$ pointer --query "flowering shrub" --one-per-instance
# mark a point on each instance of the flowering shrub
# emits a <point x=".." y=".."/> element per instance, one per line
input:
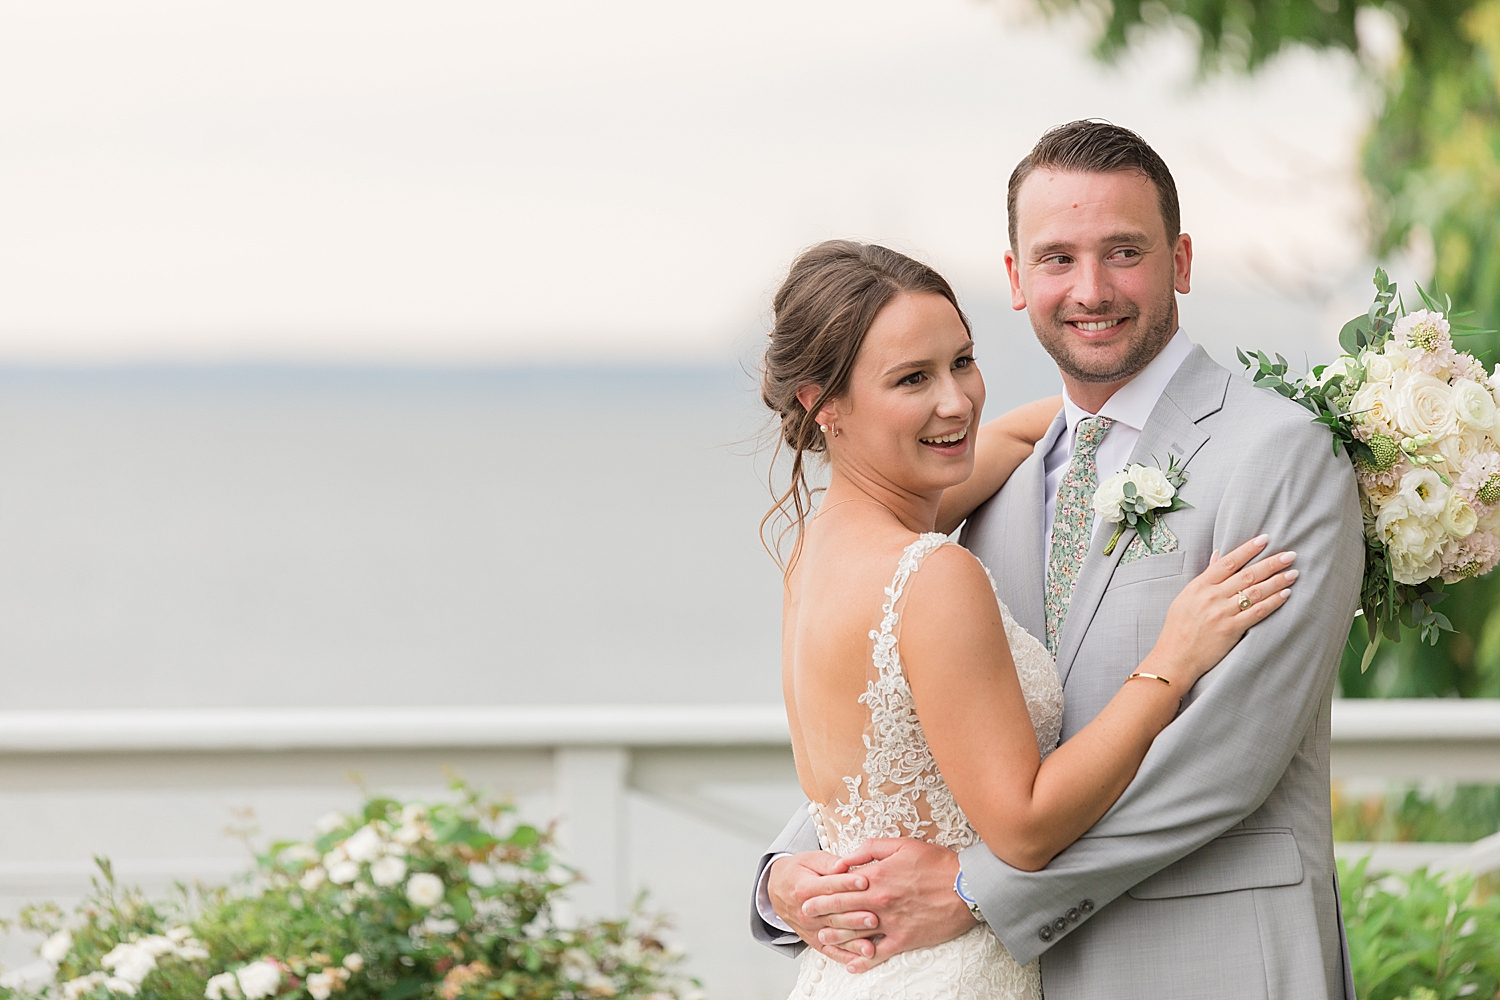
<point x="402" y="901"/>
<point x="1418" y="418"/>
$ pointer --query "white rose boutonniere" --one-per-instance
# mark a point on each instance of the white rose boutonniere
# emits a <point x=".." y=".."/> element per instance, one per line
<point x="1136" y="497"/>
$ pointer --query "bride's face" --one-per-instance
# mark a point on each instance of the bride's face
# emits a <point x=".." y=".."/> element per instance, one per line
<point x="914" y="399"/>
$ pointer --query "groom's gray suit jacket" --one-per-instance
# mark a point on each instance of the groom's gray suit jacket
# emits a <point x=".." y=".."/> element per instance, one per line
<point x="1213" y="875"/>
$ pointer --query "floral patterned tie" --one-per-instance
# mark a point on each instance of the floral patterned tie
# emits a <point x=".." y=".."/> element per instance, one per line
<point x="1072" y="521"/>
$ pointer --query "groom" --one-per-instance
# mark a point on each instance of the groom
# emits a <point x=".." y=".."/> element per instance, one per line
<point x="1213" y="875"/>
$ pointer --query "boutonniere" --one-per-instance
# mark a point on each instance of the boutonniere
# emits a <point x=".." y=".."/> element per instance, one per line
<point x="1136" y="497"/>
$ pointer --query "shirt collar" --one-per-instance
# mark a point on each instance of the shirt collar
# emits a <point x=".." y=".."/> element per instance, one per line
<point x="1133" y="402"/>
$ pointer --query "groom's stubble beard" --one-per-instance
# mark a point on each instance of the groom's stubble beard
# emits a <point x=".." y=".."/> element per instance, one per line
<point x="1156" y="328"/>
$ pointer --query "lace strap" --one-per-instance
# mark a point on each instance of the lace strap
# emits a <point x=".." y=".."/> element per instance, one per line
<point x="910" y="562"/>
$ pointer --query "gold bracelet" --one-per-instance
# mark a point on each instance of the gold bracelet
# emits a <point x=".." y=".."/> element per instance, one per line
<point x="1153" y="677"/>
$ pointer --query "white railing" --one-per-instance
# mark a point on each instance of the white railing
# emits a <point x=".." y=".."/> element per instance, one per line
<point x="601" y="753"/>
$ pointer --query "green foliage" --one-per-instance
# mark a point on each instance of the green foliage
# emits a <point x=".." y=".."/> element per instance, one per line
<point x="401" y="901"/>
<point x="1406" y="813"/>
<point x="1420" y="936"/>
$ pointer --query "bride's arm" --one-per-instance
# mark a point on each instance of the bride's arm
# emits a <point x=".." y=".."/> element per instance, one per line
<point x="1000" y="446"/>
<point x="969" y="699"/>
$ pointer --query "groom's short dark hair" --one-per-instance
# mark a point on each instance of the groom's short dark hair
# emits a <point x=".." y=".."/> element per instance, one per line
<point x="1096" y="147"/>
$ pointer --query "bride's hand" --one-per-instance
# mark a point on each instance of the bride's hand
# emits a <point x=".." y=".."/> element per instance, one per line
<point x="1206" y="619"/>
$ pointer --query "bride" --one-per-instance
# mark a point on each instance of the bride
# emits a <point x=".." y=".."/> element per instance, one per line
<point x="918" y="707"/>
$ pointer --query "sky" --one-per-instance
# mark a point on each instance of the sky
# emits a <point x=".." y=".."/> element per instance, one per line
<point x="496" y="182"/>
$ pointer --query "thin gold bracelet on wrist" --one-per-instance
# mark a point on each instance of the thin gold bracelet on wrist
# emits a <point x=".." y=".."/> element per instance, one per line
<point x="1150" y="677"/>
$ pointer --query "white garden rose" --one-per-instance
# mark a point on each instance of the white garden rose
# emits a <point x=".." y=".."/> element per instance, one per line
<point x="320" y="985"/>
<point x="124" y="987"/>
<point x="424" y="889"/>
<point x="75" y="988"/>
<point x="305" y="853"/>
<point x="129" y="962"/>
<point x="1378" y="367"/>
<point x="1109" y="496"/>
<point x="1424" y="404"/>
<point x="1375" y="404"/>
<point x="330" y="822"/>
<point x="1473" y="404"/>
<point x="56" y="947"/>
<point x="1151" y="483"/>
<point x="363" y="845"/>
<point x="387" y="870"/>
<point x="1459" y="448"/>
<point x="1413" y="542"/>
<point x="1424" y="492"/>
<point x="1458" y="518"/>
<point x="223" y="987"/>
<point x="354" y="961"/>
<point x="313" y="878"/>
<point x="1411" y="569"/>
<point x="343" y="872"/>
<point x="259" y="979"/>
<point x="1393" y="355"/>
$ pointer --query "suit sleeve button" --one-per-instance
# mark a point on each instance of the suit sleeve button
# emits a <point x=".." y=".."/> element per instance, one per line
<point x="1087" y="906"/>
<point x="1073" y="915"/>
<point x="1059" y="925"/>
<point x="1045" y="933"/>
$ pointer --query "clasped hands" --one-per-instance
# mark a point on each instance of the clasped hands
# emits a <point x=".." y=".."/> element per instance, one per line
<point x="890" y="896"/>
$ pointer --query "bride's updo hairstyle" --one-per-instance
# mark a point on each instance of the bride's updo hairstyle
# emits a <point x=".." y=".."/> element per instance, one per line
<point x="823" y="310"/>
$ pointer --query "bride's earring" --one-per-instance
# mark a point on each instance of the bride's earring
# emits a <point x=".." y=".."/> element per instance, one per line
<point x="835" y="430"/>
<point x="823" y="428"/>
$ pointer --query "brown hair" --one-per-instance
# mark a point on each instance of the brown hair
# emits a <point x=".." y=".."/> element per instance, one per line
<point x="823" y="310"/>
<point x="1096" y="147"/>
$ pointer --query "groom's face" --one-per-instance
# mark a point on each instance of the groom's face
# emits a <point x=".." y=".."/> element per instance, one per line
<point x="1097" y="271"/>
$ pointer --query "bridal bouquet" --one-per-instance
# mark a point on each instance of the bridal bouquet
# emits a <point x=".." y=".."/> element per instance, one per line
<point x="1418" y="419"/>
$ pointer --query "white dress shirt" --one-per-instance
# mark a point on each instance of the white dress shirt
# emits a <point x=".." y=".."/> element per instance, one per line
<point x="1129" y="408"/>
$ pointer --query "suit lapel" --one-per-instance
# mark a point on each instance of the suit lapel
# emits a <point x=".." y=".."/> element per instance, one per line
<point x="1172" y="431"/>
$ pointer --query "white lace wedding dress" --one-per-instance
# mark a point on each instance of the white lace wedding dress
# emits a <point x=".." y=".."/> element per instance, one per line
<point x="901" y="794"/>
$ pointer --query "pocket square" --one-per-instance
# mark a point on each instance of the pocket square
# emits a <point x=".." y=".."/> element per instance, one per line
<point x="1162" y="542"/>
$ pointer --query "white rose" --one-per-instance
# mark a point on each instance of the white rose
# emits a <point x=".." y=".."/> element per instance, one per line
<point x="304" y="853"/>
<point x="56" y="947"/>
<point x="1458" y="518"/>
<point x="1151" y="483"/>
<point x="259" y="979"/>
<point x="1457" y="449"/>
<point x="129" y="961"/>
<point x="320" y="985"/>
<point x="424" y="889"/>
<point x="312" y="879"/>
<point x="1411" y="569"/>
<point x="177" y="935"/>
<point x="343" y="872"/>
<point x="1375" y="403"/>
<point x="330" y="822"/>
<point x="1424" y="492"/>
<point x="75" y="988"/>
<point x="1109" y="496"/>
<point x="482" y="875"/>
<point x="364" y="845"/>
<point x="117" y="985"/>
<point x="1473" y="404"/>
<point x="223" y="987"/>
<point x="1424" y="405"/>
<point x="388" y="871"/>
<point x="1392" y="354"/>
<point x="354" y="961"/>
<point x="157" y="945"/>
<point x="1378" y="367"/>
<point x="440" y="925"/>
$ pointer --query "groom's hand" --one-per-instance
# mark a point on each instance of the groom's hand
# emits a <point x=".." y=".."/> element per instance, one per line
<point x="911" y="894"/>
<point x="816" y="874"/>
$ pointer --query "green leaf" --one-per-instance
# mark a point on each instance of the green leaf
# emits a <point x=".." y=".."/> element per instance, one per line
<point x="459" y="900"/>
<point x="1130" y="491"/>
<point x="1364" y="661"/>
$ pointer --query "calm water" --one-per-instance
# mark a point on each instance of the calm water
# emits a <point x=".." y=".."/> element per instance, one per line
<point x="273" y="536"/>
